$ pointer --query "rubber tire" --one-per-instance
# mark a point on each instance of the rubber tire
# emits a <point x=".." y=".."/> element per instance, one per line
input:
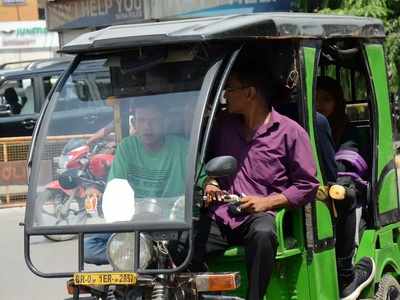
<point x="388" y="287"/>
<point x="43" y="198"/>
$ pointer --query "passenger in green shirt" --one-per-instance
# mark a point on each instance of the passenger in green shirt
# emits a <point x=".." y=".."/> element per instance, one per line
<point x="153" y="163"/>
<point x="152" y="172"/>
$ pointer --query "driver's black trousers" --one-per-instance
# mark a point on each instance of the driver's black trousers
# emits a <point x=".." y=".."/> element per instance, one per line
<point x="258" y="237"/>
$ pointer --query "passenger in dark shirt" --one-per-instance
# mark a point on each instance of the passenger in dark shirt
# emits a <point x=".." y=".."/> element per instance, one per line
<point x="331" y="103"/>
<point x="326" y="147"/>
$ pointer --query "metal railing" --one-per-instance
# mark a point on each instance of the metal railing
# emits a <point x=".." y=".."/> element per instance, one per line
<point x="13" y="178"/>
<point x="13" y="159"/>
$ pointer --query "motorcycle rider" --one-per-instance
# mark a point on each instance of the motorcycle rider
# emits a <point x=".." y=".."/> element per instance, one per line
<point x="153" y="163"/>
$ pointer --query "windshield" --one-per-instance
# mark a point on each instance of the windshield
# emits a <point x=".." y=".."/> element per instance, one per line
<point x="115" y="145"/>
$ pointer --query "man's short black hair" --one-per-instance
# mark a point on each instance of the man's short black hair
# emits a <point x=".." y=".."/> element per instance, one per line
<point x="255" y="74"/>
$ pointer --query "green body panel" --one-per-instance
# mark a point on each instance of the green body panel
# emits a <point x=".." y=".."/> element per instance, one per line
<point x="387" y="199"/>
<point x="324" y="223"/>
<point x="367" y="244"/>
<point x="309" y="65"/>
<point x="323" y="285"/>
<point x="289" y="279"/>
<point x="384" y="246"/>
<point x="322" y="276"/>
<point x="292" y="278"/>
<point x="388" y="193"/>
<point x="290" y="238"/>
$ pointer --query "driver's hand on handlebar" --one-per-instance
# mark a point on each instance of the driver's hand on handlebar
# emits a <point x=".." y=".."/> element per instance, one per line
<point x="213" y="193"/>
<point x="255" y="204"/>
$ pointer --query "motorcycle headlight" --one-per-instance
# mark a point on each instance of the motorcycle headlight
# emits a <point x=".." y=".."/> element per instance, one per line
<point x="121" y="250"/>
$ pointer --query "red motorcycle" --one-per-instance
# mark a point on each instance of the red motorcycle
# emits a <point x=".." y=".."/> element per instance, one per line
<point x="76" y="194"/>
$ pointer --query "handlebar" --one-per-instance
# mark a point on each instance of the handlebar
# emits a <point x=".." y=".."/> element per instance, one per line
<point x="233" y="201"/>
<point x="231" y="198"/>
<point x="336" y="192"/>
<point x="228" y="198"/>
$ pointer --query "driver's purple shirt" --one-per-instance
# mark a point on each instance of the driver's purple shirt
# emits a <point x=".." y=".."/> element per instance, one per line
<point x="278" y="159"/>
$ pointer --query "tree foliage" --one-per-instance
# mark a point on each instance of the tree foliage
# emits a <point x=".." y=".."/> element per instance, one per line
<point x="386" y="10"/>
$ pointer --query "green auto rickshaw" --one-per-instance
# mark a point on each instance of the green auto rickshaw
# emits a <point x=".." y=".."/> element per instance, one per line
<point x="181" y="66"/>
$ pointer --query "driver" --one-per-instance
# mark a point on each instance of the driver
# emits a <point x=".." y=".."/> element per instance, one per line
<point x="275" y="169"/>
<point x="154" y="164"/>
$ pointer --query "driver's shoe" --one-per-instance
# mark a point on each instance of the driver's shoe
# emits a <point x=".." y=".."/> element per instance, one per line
<point x="364" y="273"/>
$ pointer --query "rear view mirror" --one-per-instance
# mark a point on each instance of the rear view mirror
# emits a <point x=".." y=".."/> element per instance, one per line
<point x="221" y="166"/>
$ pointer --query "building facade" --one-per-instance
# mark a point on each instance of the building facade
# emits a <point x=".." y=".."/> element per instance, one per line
<point x="26" y="40"/>
<point x="23" y="31"/>
<point x="18" y="10"/>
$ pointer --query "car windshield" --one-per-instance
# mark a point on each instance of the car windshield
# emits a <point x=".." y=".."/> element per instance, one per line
<point x="114" y="142"/>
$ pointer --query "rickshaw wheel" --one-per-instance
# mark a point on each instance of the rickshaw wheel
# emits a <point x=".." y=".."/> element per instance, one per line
<point x="49" y="204"/>
<point x="389" y="288"/>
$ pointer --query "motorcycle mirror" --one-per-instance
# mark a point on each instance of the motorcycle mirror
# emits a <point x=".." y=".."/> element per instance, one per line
<point x="221" y="166"/>
<point x="118" y="201"/>
<point x="70" y="179"/>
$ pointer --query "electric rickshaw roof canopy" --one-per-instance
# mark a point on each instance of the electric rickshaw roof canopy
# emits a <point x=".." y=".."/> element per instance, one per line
<point x="244" y="26"/>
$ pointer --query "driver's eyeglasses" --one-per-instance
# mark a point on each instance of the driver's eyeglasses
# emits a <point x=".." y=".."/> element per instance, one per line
<point x="232" y="89"/>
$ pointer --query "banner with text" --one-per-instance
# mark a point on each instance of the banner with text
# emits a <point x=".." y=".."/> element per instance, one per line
<point x="27" y="35"/>
<point x="167" y="8"/>
<point x="70" y="14"/>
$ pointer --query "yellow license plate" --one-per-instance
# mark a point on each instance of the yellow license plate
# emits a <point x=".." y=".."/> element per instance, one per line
<point x="105" y="278"/>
